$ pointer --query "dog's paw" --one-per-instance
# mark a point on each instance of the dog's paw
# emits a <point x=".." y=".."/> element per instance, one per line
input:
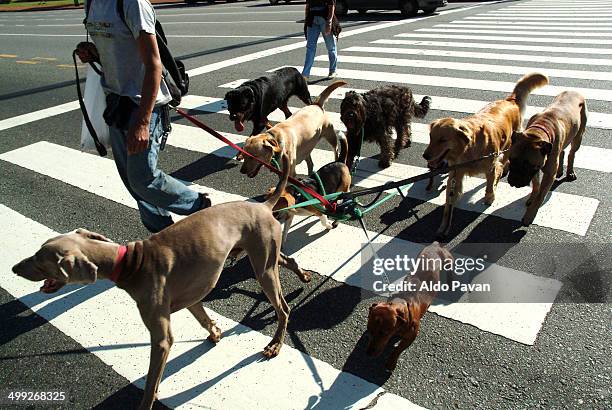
<point x="215" y="334"/>
<point x="571" y="176"/>
<point x="489" y="199"/>
<point x="335" y="224"/>
<point x="384" y="163"/>
<point x="305" y="276"/>
<point x="272" y="350"/>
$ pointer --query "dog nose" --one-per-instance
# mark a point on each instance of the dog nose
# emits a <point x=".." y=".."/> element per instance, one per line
<point x="427" y="156"/>
<point x="15" y="268"/>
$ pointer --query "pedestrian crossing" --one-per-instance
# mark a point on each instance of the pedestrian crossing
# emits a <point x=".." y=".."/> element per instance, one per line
<point x="199" y="375"/>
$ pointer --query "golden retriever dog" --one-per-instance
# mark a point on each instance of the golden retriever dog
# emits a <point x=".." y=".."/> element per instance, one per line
<point x="485" y="132"/>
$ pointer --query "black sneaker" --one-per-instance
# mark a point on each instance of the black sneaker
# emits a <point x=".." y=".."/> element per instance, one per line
<point x="204" y="200"/>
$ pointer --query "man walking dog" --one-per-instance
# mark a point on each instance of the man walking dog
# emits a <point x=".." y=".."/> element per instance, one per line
<point x="137" y="99"/>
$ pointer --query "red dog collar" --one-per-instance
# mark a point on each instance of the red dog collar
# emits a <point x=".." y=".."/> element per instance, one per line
<point x="119" y="262"/>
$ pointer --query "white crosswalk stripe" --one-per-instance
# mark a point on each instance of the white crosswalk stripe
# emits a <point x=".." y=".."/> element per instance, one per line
<point x="497" y="46"/>
<point x="514" y="39"/>
<point x="478" y="55"/>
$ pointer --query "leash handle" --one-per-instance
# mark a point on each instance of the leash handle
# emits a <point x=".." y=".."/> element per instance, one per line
<point x="328" y="205"/>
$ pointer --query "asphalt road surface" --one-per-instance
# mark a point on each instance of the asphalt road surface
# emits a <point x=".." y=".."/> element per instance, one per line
<point x="551" y="348"/>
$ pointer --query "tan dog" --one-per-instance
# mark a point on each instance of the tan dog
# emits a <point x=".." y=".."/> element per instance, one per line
<point x="401" y="314"/>
<point x="173" y="269"/>
<point x="540" y="148"/>
<point x="295" y="137"/>
<point x="483" y="133"/>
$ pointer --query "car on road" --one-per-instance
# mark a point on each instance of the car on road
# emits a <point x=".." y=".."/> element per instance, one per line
<point x="406" y="7"/>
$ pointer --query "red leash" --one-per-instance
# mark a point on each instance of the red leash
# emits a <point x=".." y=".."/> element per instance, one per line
<point x="328" y="205"/>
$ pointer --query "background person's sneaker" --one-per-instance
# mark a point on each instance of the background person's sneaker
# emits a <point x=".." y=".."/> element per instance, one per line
<point x="332" y="75"/>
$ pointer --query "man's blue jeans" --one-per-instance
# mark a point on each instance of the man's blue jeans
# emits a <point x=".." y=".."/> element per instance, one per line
<point x="156" y="193"/>
<point x="312" y="35"/>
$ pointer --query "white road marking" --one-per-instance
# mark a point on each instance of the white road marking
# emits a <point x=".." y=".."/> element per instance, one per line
<point x="461" y="83"/>
<point x="515" y="32"/>
<point x="38" y="115"/>
<point x="481" y="56"/>
<point x="498" y="46"/>
<point x="544" y="25"/>
<point x="570" y="19"/>
<point x="527" y="40"/>
<point x="520" y="322"/>
<point x="518" y="28"/>
<point x="488" y="68"/>
<point x="197" y="375"/>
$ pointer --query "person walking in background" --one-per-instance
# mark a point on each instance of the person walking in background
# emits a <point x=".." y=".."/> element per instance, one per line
<point x="137" y="99"/>
<point x="318" y="19"/>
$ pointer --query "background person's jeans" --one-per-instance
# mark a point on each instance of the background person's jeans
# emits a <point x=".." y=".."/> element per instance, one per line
<point x="156" y="193"/>
<point x="312" y="35"/>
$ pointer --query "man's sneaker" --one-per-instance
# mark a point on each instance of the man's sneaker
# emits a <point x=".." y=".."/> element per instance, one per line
<point x="332" y="75"/>
<point x="205" y="200"/>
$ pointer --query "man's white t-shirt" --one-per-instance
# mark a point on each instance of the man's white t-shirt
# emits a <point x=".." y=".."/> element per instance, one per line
<point x="116" y="43"/>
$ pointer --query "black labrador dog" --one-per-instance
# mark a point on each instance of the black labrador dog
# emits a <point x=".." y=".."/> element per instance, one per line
<point x="254" y="100"/>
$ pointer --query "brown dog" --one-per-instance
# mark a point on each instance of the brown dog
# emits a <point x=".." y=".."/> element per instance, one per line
<point x="540" y="148"/>
<point x="483" y="133"/>
<point x="401" y="314"/>
<point x="174" y="269"/>
<point x="295" y="137"/>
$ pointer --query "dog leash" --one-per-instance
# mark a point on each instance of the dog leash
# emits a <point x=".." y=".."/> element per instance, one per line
<point x="328" y="205"/>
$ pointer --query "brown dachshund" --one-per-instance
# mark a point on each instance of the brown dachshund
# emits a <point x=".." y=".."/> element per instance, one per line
<point x="401" y="314"/>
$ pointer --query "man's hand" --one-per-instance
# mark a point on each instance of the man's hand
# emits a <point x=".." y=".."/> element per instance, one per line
<point x="138" y="137"/>
<point x="87" y="52"/>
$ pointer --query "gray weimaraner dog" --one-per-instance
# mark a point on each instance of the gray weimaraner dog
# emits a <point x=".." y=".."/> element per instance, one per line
<point x="174" y="269"/>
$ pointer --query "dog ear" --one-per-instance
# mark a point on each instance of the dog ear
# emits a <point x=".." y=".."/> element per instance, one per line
<point x="248" y="93"/>
<point x="516" y="135"/>
<point x="77" y="268"/>
<point x="92" y="235"/>
<point x="464" y="133"/>
<point x="545" y="147"/>
<point x="273" y="144"/>
<point x="373" y="305"/>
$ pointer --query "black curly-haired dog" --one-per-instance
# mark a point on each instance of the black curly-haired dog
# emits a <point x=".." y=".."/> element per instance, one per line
<point x="377" y="112"/>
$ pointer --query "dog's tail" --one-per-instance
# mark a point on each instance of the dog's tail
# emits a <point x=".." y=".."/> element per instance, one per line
<point x="421" y="110"/>
<point x="525" y="86"/>
<point x="282" y="184"/>
<point x="327" y="92"/>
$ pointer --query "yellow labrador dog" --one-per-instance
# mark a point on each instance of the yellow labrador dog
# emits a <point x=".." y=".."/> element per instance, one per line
<point x="295" y="137"/>
<point x="541" y="148"/>
<point x="483" y="133"/>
